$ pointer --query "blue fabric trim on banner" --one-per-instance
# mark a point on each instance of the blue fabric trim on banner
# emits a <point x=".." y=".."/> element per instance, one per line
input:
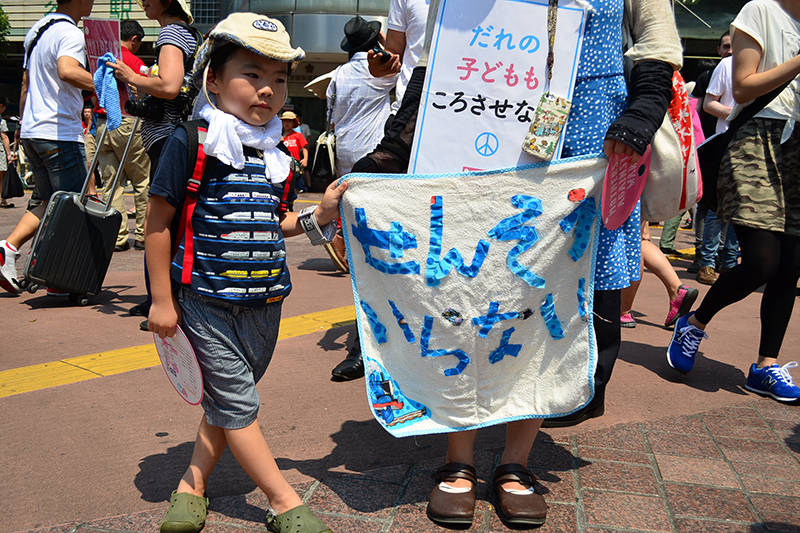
<point x="401" y="321"/>
<point x="550" y="319"/>
<point x="505" y="348"/>
<point x="463" y="358"/>
<point x="514" y="228"/>
<point x="491" y="318"/>
<point x="582" y="218"/>
<point x="378" y="329"/>
<point x="395" y="241"/>
<point x="583" y="308"/>
<point x="437" y="269"/>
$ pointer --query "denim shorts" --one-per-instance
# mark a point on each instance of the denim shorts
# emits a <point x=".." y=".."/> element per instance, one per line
<point x="56" y="166"/>
<point x="234" y="346"/>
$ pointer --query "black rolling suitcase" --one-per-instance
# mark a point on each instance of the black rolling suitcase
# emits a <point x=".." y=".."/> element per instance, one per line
<point x="73" y="245"/>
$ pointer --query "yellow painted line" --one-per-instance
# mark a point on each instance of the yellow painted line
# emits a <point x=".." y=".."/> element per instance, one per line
<point x="75" y="369"/>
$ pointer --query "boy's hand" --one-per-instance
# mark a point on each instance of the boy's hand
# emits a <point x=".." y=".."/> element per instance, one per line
<point x="328" y="209"/>
<point x="163" y="319"/>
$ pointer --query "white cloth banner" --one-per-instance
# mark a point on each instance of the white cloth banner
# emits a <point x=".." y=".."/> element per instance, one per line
<point x="486" y="73"/>
<point x="474" y="293"/>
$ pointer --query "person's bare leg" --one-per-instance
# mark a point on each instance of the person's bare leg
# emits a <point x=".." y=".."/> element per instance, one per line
<point x="519" y="441"/>
<point x="253" y="453"/>
<point x="460" y="449"/>
<point x="24" y="230"/>
<point x="208" y="448"/>
<point x="657" y="263"/>
<point x="628" y="295"/>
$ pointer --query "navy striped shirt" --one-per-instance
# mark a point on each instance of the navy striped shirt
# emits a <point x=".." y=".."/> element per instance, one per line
<point x="155" y="130"/>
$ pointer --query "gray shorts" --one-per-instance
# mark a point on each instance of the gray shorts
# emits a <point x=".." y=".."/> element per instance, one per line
<point x="234" y="346"/>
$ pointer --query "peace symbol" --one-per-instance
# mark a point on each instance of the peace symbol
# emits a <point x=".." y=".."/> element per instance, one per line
<point x="487" y="144"/>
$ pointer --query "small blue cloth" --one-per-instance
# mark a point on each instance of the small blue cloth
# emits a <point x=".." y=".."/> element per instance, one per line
<point x="105" y="84"/>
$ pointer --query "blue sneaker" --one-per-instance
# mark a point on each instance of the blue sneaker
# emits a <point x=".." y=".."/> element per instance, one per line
<point x="774" y="381"/>
<point x="684" y="344"/>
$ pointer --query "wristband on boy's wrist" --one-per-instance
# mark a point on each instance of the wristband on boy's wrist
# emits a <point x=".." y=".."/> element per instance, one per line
<point x="310" y="225"/>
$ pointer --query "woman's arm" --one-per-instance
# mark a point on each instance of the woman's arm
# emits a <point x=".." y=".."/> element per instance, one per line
<point x="657" y="52"/>
<point x="165" y="313"/>
<point x="167" y="84"/>
<point x="748" y="83"/>
<point x="7" y="146"/>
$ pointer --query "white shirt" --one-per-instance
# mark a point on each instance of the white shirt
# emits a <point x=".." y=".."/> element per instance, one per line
<point x="360" y="108"/>
<point x="409" y="17"/>
<point x="721" y="85"/>
<point x="778" y="34"/>
<point x="52" y="106"/>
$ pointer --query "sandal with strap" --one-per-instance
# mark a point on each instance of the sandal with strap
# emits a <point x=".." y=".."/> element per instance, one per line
<point x="297" y="520"/>
<point x="453" y="509"/>
<point x="186" y="513"/>
<point x="518" y="510"/>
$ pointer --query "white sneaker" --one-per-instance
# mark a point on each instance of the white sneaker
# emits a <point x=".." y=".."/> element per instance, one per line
<point x="8" y="268"/>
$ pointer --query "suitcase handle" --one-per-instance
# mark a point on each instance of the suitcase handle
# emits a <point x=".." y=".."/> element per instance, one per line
<point x="121" y="164"/>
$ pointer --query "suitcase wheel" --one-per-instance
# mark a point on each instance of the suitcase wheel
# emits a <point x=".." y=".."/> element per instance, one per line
<point x="23" y="283"/>
<point x="80" y="299"/>
<point x="33" y="287"/>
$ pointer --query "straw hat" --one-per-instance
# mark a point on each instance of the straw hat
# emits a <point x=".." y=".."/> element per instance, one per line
<point x="288" y="115"/>
<point x="184" y="7"/>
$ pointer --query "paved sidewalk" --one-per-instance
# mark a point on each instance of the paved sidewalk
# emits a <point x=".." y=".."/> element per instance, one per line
<point x="734" y="469"/>
<point x="672" y="453"/>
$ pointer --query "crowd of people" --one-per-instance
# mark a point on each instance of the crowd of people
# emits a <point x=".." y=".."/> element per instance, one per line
<point x="233" y="83"/>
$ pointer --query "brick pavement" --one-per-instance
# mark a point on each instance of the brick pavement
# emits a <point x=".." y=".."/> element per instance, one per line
<point x="734" y="469"/>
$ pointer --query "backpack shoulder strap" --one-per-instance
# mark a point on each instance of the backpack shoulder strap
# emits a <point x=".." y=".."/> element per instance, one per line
<point x="40" y="33"/>
<point x="288" y="184"/>
<point x="198" y="38"/>
<point x="198" y="173"/>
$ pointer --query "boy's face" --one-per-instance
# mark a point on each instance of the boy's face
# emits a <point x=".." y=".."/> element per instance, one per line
<point x="288" y="124"/>
<point x="250" y="87"/>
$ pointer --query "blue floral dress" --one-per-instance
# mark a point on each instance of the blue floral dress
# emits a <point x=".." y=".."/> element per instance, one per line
<point x="599" y="98"/>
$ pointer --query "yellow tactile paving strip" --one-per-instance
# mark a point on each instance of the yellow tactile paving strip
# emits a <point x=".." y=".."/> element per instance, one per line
<point x="74" y="369"/>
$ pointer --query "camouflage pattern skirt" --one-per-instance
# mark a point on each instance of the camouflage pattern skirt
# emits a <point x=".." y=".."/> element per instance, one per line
<point x="759" y="178"/>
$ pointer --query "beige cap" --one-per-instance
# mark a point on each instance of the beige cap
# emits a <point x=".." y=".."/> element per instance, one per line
<point x="184" y="7"/>
<point x="288" y="115"/>
<point x="256" y="33"/>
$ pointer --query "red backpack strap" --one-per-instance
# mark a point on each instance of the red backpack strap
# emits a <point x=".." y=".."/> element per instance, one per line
<point x="288" y="184"/>
<point x="199" y="176"/>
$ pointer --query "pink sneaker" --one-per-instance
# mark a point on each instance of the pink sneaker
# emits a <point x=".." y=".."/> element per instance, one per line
<point x="681" y="305"/>
<point x="627" y="320"/>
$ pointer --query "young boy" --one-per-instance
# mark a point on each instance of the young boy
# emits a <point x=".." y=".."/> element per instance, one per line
<point x="226" y="292"/>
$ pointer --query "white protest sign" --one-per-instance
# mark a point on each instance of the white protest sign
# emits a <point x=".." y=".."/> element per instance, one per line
<point x="487" y="71"/>
<point x="474" y="292"/>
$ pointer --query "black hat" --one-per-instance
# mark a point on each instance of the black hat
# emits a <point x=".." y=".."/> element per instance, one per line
<point x="360" y="35"/>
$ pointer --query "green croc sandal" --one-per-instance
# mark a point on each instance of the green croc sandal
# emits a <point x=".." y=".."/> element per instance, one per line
<point x="297" y="520"/>
<point x="186" y="513"/>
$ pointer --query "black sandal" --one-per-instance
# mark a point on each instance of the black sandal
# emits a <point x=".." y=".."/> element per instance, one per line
<point x="453" y="509"/>
<point x="6" y="205"/>
<point x="518" y="511"/>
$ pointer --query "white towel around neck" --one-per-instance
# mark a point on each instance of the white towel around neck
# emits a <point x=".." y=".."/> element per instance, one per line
<point x="227" y="136"/>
